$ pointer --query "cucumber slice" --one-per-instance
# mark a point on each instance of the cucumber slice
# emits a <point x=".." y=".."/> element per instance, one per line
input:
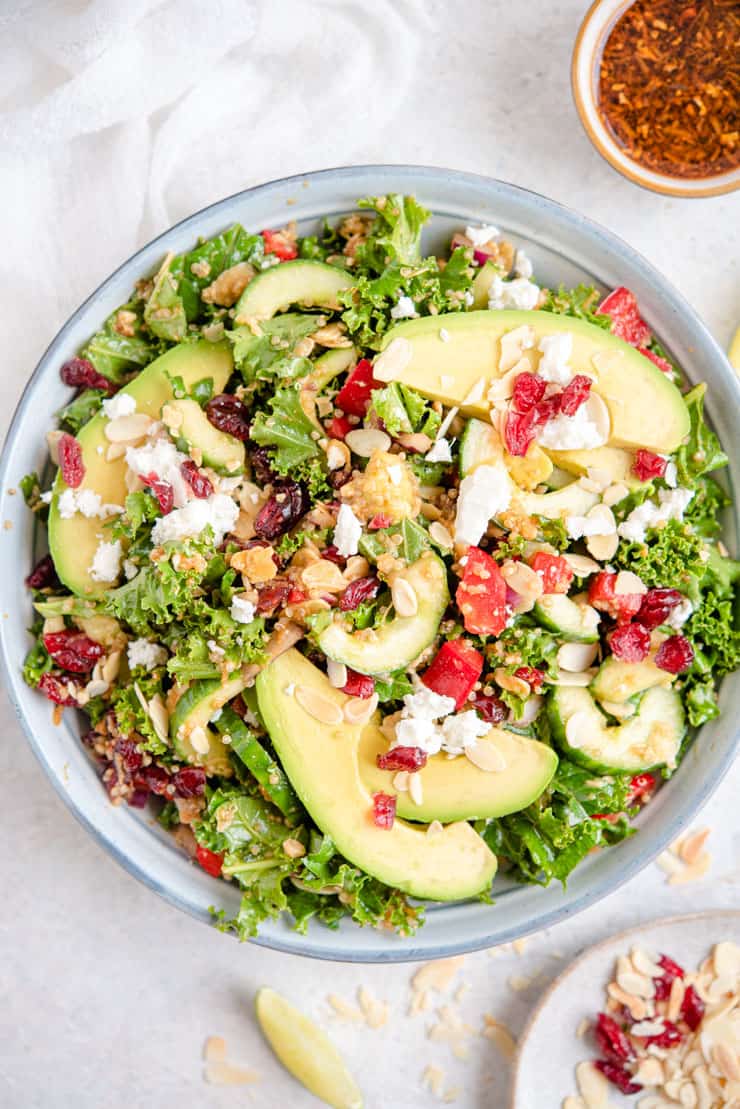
<point x="619" y="681"/>
<point x="480" y="445"/>
<point x="222" y="452"/>
<point x="259" y="762"/>
<point x="483" y="281"/>
<point x="196" y="706"/>
<point x="311" y="284"/>
<point x="650" y="738"/>
<point x="398" y="642"/>
<point x="574" y="623"/>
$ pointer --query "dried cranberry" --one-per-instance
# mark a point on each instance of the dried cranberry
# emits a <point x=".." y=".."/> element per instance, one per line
<point x="211" y="861"/>
<point x="78" y="373"/>
<point x="492" y="709"/>
<point x="43" y="574"/>
<point x="612" y="1041"/>
<point x="662" y="363"/>
<point x="547" y="409"/>
<point x="331" y="554"/>
<point x="73" y="650"/>
<point x="531" y="675"/>
<point x="260" y="461"/>
<point x="162" y="490"/>
<point x="358" y="685"/>
<point x="621" y="306"/>
<point x="189" y="782"/>
<point x="379" y="522"/>
<point x="129" y="754"/>
<point x="138" y="799"/>
<point x="201" y="486"/>
<point x="669" y="1037"/>
<point x="692" y="1008"/>
<point x="618" y="1076"/>
<point x="358" y="591"/>
<point x="672" y="968"/>
<point x="272" y="596"/>
<point x="671" y="971"/>
<point x="629" y="642"/>
<point x="384" y="810"/>
<point x="70" y="460"/>
<point x="55" y="690"/>
<point x="575" y="393"/>
<point x="675" y="654"/>
<point x="657" y="605"/>
<point x="338" y="478"/>
<point x="288" y="503"/>
<point x="528" y="390"/>
<point x="648" y="465"/>
<point x="402" y="758"/>
<point x="227" y="413"/>
<point x="519" y="432"/>
<point x="156" y="779"/>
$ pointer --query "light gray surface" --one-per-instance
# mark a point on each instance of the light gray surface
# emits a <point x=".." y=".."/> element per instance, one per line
<point x="110" y="992"/>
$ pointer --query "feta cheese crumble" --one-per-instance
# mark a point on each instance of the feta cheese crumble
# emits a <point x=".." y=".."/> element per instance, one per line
<point x="479" y="236"/>
<point x="522" y="265"/>
<point x="242" y="610"/>
<point x="420" y="725"/>
<point x="483" y="494"/>
<point x="671" y="505"/>
<point x="519" y="293"/>
<point x="142" y="652"/>
<point x="218" y="512"/>
<point x="463" y="730"/>
<point x="161" y="457"/>
<point x="404" y="309"/>
<point x="130" y="569"/>
<point x="441" y="452"/>
<point x="678" y="616"/>
<point x="556" y="351"/>
<point x="579" y="432"/>
<point x="85" y="501"/>
<point x="122" y="404"/>
<point x="106" y="563"/>
<point x="347" y="532"/>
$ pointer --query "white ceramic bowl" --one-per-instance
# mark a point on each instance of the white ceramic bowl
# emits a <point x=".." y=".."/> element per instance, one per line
<point x="594" y="31"/>
<point x="564" y="247"/>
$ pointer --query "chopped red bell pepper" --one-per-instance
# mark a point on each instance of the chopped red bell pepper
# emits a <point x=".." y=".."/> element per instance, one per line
<point x="276" y="243"/>
<point x="662" y="363"/>
<point x="211" y="861"/>
<point x="627" y="323"/>
<point x="555" y="572"/>
<point x="642" y="788"/>
<point x="379" y="522"/>
<point x="354" y="396"/>
<point x="481" y="595"/>
<point x="454" y="671"/>
<point x="621" y="606"/>
<point x="338" y="427"/>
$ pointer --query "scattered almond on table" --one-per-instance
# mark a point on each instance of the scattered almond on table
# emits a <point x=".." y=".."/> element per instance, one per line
<point x="686" y="860"/>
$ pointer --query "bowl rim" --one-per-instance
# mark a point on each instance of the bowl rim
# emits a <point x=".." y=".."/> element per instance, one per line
<point x="603" y="14"/>
<point x="409" y="949"/>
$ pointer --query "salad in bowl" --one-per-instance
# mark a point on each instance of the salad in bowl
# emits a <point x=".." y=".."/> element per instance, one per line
<point x="375" y="572"/>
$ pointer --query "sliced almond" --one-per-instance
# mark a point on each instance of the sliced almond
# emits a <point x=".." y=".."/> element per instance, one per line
<point x="599" y="415"/>
<point x="439" y="534"/>
<point x="650" y="1072"/>
<point x="214" y="1049"/>
<point x="513" y="344"/>
<point x="579" y="729"/>
<point x="159" y="716"/>
<point x="199" y="740"/>
<point x="627" y="582"/>
<point x="323" y="575"/>
<point x="614" y="494"/>
<point x="96" y="687"/>
<point x="437" y="975"/>
<point x="435" y="828"/>
<point x="486" y="757"/>
<point x="226" y="1074"/>
<point x="726" y="959"/>
<point x="675" y="999"/>
<point x="404" y="598"/>
<point x="643" y="964"/>
<point x="318" y="706"/>
<point x="394" y="359"/>
<point x="577" y="656"/>
<point x="691" y="846"/>
<point x="603" y="547"/>
<point x="474" y="393"/>
<point x="358" y="710"/>
<point x="592" y="1085"/>
<point x="622" y="710"/>
<point x="636" y="1005"/>
<point x="510" y="682"/>
<point x="727" y="1062"/>
<point x="52" y="444"/>
<point x="638" y="984"/>
<point x="336" y="672"/>
<point x="111" y="666"/>
<point x="365" y="440"/>
<point x="501" y="389"/>
<point x="531" y="710"/>
<point x="573" y="1102"/>
<point x="524" y="581"/>
<point x="114" y="451"/>
<point x="127" y="429"/>
<point x="574" y="680"/>
<point x="582" y="566"/>
<point x="401" y="781"/>
<point x="416" y="789"/>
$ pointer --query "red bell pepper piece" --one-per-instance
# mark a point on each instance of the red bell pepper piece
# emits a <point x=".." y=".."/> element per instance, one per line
<point x="338" y="427"/>
<point x="454" y="671"/>
<point x="627" y="323"/>
<point x="277" y="244"/>
<point x="555" y="572"/>
<point x="621" y="606"/>
<point x="354" y="396"/>
<point x="211" y="861"/>
<point x="662" y="363"/>
<point x="642" y="788"/>
<point x="481" y="595"/>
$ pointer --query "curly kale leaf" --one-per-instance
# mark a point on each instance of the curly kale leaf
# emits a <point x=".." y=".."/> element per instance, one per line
<point x="403" y="410"/>
<point x="116" y="355"/>
<point x="395" y="235"/>
<point x="77" y="413"/>
<point x="671" y="556"/>
<point x="702" y="452"/>
<point x="270" y="355"/>
<point x="130" y="714"/>
<point x="580" y="303"/>
<point x="288" y="430"/>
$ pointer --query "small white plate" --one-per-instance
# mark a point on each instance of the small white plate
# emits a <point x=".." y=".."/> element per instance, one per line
<point x="550" y="1050"/>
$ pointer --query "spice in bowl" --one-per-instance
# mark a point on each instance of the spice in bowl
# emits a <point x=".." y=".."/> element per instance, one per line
<point x="668" y="86"/>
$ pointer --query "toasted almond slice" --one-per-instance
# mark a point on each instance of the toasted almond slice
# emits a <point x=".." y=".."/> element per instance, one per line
<point x="226" y="1074"/>
<point x="690" y="847"/>
<point x="500" y="1034"/>
<point x="524" y="581"/>
<point x="726" y="959"/>
<point x="439" y="534"/>
<point x="627" y="582"/>
<point x="404" y="598"/>
<point x="306" y="1051"/>
<point x="358" y="710"/>
<point x="435" y="828"/>
<point x="599" y="415"/>
<point x="510" y="683"/>
<point x="343" y="1009"/>
<point x="638" y="984"/>
<point x="336" y="672"/>
<point x="573" y="1102"/>
<point x="394" y="359"/>
<point x="317" y="706"/>
<point x="324" y="576"/>
<point x="199" y="739"/>
<point x="114" y="451"/>
<point x="214" y="1049"/>
<point x="602" y="547"/>
<point x="96" y="687"/>
<point x="577" y="656"/>
<point x="532" y="708"/>
<point x="636" y="1005"/>
<point x="614" y="494"/>
<point x="643" y="964"/>
<point x="111" y="665"/>
<point x="592" y="1085"/>
<point x="513" y="344"/>
<point x="486" y="757"/>
<point x="365" y="440"/>
<point x="727" y="1062"/>
<point x="650" y="1072"/>
<point x="581" y="566"/>
<point x="692" y="873"/>
<point x="159" y="716"/>
<point x="416" y="789"/>
<point x="401" y="781"/>
<point x="573" y="679"/>
<point x="579" y="729"/>
<point x="675" y="999"/>
<point x="127" y="429"/>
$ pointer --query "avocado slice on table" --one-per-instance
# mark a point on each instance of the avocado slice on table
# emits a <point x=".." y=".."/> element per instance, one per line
<point x="456" y="789"/>
<point x="74" y="541"/>
<point x="310" y="284"/>
<point x="400" y="640"/>
<point x="322" y="763"/>
<point x="645" y="407"/>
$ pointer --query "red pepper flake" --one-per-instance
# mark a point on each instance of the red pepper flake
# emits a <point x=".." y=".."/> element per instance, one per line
<point x="667" y="89"/>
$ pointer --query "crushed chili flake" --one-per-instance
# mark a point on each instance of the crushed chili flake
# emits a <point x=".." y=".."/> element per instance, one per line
<point x="668" y="85"/>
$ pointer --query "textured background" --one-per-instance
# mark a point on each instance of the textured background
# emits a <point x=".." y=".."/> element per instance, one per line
<point x="118" y="120"/>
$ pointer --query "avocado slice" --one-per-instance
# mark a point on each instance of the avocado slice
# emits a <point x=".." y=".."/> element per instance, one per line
<point x="310" y="284"/>
<point x="645" y="407"/>
<point x="399" y="641"/>
<point x="455" y="789"/>
<point x="200" y="701"/>
<point x="73" y="542"/>
<point x="650" y="738"/>
<point x="222" y="452"/>
<point x="615" y="461"/>
<point x="322" y="763"/>
<point x="571" y="500"/>
<point x="618" y="681"/>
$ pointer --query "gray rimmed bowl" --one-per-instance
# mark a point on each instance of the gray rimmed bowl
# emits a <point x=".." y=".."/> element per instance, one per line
<point x="565" y="247"/>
